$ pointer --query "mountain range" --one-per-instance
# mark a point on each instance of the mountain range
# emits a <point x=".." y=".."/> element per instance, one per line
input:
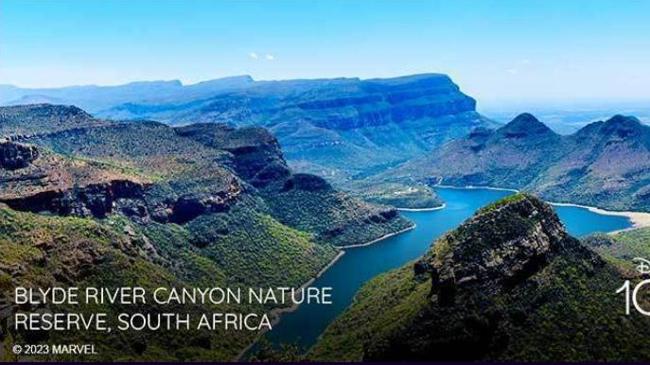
<point x="342" y="128"/>
<point x="604" y="164"/>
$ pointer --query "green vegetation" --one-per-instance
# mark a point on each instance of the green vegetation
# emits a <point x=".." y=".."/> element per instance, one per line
<point x="379" y="306"/>
<point x="54" y="251"/>
<point x="502" y="202"/>
<point x="409" y="196"/>
<point x="335" y="218"/>
<point x="622" y="247"/>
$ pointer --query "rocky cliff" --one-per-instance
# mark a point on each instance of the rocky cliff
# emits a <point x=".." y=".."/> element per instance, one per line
<point x="15" y="156"/>
<point x="344" y="129"/>
<point x="35" y="181"/>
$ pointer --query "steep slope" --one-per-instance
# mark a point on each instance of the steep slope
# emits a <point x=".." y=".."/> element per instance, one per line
<point x="338" y="128"/>
<point x="606" y="164"/>
<point x="304" y="201"/>
<point x="609" y="161"/>
<point x="42" y="251"/>
<point x="508" y="284"/>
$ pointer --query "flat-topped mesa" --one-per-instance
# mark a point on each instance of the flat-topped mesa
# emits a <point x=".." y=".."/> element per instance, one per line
<point x="14" y="156"/>
<point x="22" y="121"/>
<point x="498" y="248"/>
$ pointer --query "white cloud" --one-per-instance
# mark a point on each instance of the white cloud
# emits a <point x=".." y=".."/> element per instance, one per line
<point x="512" y="71"/>
<point x="253" y="55"/>
<point x="269" y="57"/>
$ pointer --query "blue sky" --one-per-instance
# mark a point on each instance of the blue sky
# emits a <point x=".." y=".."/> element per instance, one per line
<point x="497" y="51"/>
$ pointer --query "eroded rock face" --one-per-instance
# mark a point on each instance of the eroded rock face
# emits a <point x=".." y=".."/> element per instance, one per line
<point x="191" y="206"/>
<point x="256" y="153"/>
<point x="95" y="200"/>
<point x="15" y="156"/>
<point x="496" y="249"/>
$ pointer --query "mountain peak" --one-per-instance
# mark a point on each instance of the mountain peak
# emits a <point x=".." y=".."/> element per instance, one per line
<point x="622" y="122"/>
<point x="499" y="247"/>
<point x="617" y="127"/>
<point x="525" y="125"/>
<point x="622" y="119"/>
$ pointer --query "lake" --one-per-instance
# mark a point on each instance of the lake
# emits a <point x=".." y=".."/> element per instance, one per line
<point x="358" y="265"/>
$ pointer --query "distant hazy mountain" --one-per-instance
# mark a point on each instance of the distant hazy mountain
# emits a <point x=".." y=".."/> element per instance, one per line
<point x="569" y="117"/>
<point x="606" y="163"/>
<point x="341" y="128"/>
<point x="95" y="98"/>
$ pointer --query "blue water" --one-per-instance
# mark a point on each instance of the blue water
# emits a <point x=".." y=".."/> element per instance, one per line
<point x="359" y="265"/>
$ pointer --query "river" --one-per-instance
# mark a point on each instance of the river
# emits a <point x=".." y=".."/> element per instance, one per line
<point x="303" y="326"/>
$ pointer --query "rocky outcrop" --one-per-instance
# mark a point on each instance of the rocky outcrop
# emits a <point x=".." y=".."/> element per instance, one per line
<point x="126" y="197"/>
<point x="509" y="284"/>
<point x="497" y="249"/>
<point x="306" y="182"/>
<point x="15" y="156"/>
<point x="93" y="200"/>
<point x="257" y="156"/>
<point x="190" y="206"/>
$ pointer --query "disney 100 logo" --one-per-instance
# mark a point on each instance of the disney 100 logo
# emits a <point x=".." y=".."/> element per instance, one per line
<point x="631" y="294"/>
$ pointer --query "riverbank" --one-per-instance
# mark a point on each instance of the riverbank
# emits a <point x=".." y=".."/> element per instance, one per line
<point x="276" y="314"/>
<point x="380" y="238"/>
<point x="638" y="219"/>
<point x="475" y="187"/>
<point x="443" y="206"/>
